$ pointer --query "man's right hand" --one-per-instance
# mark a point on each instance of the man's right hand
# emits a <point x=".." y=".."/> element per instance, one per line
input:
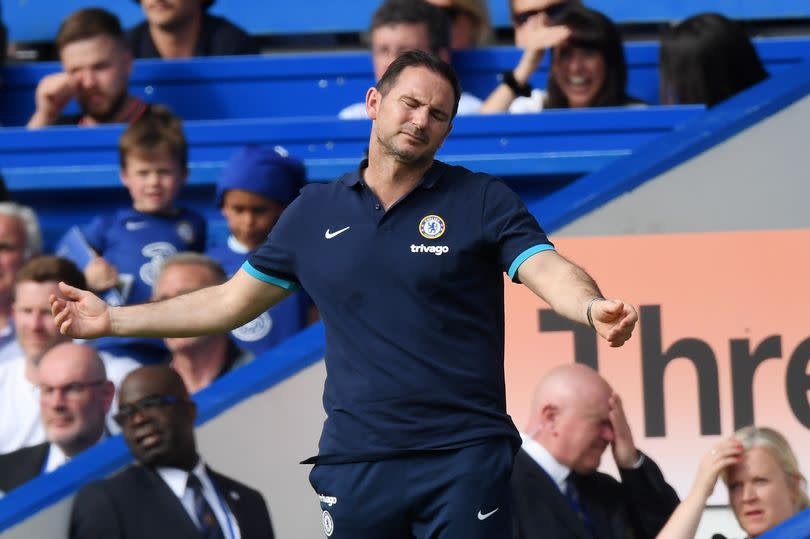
<point x="53" y="93"/>
<point x="80" y="314"/>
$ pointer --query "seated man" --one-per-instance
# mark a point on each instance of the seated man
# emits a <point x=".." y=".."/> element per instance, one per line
<point x="20" y="239"/>
<point x="170" y="492"/>
<point x="198" y="360"/>
<point x="184" y="28"/>
<point x="557" y="491"/>
<point x="96" y="64"/>
<point x="74" y="399"/>
<point x="401" y="25"/>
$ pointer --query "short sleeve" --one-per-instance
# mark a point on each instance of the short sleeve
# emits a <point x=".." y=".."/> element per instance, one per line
<point x="509" y="226"/>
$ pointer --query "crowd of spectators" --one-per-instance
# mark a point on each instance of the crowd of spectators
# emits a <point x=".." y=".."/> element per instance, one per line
<point x="57" y="398"/>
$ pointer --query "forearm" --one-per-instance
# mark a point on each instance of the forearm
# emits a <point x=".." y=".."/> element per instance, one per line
<point x="212" y="310"/>
<point x="566" y="287"/>
<point x="39" y="119"/>
<point x="502" y="97"/>
<point x="685" y="519"/>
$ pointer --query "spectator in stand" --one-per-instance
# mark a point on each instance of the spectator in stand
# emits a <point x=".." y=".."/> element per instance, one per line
<point x="121" y="252"/>
<point x="198" y="360"/>
<point x="184" y="29"/>
<point x="588" y="68"/>
<point x="401" y="25"/>
<point x="170" y="492"/>
<point x="74" y="398"/>
<point x="470" y="22"/>
<point x="706" y="59"/>
<point x="557" y="492"/>
<point x="37" y="280"/>
<point x="96" y="64"/>
<point x="765" y="485"/>
<point x="256" y="186"/>
<point x="20" y="239"/>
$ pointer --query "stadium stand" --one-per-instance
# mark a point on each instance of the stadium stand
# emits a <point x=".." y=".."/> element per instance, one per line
<point x="242" y="391"/>
<point x="289" y="18"/>
<point x="539" y="153"/>
<point x="320" y="84"/>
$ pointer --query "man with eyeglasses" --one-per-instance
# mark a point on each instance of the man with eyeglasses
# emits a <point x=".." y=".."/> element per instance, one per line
<point x="35" y="283"/>
<point x="170" y="493"/>
<point x="74" y="398"/>
<point x="537" y="28"/>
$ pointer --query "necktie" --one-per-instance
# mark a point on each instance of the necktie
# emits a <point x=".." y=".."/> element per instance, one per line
<point x="209" y="526"/>
<point x="572" y="495"/>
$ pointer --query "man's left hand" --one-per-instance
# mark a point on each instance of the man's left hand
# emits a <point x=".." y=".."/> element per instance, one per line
<point x="624" y="449"/>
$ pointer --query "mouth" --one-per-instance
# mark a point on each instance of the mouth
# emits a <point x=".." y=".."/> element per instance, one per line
<point x="578" y="82"/>
<point x="754" y="513"/>
<point x="149" y="439"/>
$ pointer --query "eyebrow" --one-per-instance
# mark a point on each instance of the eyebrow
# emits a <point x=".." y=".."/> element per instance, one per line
<point x="422" y="103"/>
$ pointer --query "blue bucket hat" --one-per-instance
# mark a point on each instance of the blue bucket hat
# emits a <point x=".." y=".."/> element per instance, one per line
<point x="265" y="171"/>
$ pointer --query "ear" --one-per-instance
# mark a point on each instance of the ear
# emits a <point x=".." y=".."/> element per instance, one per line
<point x="373" y="100"/>
<point x="124" y="176"/>
<point x="548" y="417"/>
<point x="444" y="54"/>
<point x="108" y="392"/>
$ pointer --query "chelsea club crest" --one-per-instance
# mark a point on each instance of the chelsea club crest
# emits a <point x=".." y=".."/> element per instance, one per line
<point x="432" y="227"/>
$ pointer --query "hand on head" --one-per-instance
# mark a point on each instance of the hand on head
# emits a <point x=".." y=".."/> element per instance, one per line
<point x="722" y="455"/>
<point x="53" y="93"/>
<point x="624" y="448"/>
<point x="614" y="320"/>
<point x="79" y="313"/>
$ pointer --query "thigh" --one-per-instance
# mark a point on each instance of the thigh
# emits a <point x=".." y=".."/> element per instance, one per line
<point x="466" y="494"/>
<point x="361" y="500"/>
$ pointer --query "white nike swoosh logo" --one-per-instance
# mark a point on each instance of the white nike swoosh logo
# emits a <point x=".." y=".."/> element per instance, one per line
<point x="135" y="225"/>
<point x="484" y="516"/>
<point x="329" y="235"/>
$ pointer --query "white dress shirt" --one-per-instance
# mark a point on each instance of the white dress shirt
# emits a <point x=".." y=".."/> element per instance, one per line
<point x="558" y="472"/>
<point x="177" y="480"/>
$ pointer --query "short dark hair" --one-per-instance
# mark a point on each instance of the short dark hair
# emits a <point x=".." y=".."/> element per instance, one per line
<point x="205" y="5"/>
<point x="592" y="30"/>
<point x="47" y="268"/>
<point x="706" y="59"/>
<point x="416" y="12"/>
<point x="89" y="23"/>
<point x="156" y="130"/>
<point x="415" y="58"/>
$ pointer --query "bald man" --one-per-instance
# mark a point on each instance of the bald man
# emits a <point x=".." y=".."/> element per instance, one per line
<point x="74" y="399"/>
<point x="171" y="494"/>
<point x="557" y="491"/>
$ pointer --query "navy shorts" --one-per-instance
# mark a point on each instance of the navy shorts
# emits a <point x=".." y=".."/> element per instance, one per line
<point x="461" y="493"/>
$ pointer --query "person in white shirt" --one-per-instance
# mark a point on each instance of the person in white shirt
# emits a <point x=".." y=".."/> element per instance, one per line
<point x="401" y="25"/>
<point x="74" y="398"/>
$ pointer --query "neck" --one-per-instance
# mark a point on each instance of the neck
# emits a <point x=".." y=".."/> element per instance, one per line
<point x="180" y="40"/>
<point x="389" y="178"/>
<point x="200" y="364"/>
<point x="74" y="447"/>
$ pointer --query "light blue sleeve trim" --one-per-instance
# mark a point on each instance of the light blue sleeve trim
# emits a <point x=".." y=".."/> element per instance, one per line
<point x="253" y="272"/>
<point x="522" y="257"/>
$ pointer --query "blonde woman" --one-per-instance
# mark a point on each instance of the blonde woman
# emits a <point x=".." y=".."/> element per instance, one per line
<point x="765" y="486"/>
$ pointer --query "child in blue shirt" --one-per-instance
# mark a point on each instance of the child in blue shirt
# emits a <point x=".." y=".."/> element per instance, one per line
<point x="121" y="252"/>
<point x="256" y="186"/>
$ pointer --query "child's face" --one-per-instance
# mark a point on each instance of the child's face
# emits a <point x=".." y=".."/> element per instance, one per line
<point x="250" y="216"/>
<point x="153" y="181"/>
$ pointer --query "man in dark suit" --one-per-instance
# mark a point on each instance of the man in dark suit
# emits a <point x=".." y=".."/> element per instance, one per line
<point x="556" y="490"/>
<point x="74" y="398"/>
<point x="169" y="493"/>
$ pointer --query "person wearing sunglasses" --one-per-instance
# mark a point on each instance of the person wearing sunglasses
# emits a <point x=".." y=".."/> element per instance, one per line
<point x="170" y="493"/>
<point x="74" y="398"/>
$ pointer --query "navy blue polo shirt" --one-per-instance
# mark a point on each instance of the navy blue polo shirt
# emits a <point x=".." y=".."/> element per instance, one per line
<point x="412" y="304"/>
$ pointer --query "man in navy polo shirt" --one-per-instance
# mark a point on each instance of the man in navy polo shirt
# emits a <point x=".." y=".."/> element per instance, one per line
<point x="404" y="258"/>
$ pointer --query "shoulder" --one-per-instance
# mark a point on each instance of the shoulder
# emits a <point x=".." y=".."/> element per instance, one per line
<point x="24" y="454"/>
<point x="357" y="111"/>
<point x="526" y="105"/>
<point x="230" y="485"/>
<point x="186" y="214"/>
<point x="221" y="25"/>
<point x="468" y="104"/>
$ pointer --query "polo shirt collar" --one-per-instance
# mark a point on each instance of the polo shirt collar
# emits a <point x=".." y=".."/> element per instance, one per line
<point x="428" y="180"/>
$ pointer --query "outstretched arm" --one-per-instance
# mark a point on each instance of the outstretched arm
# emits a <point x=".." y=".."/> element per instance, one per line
<point x="216" y="309"/>
<point x="684" y="521"/>
<point x="570" y="291"/>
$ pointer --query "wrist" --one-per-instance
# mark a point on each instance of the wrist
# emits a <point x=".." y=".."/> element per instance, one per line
<point x="589" y="309"/>
<point x="519" y="89"/>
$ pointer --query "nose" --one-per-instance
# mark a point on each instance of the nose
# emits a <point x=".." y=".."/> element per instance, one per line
<point x="749" y="492"/>
<point x="420" y="117"/>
